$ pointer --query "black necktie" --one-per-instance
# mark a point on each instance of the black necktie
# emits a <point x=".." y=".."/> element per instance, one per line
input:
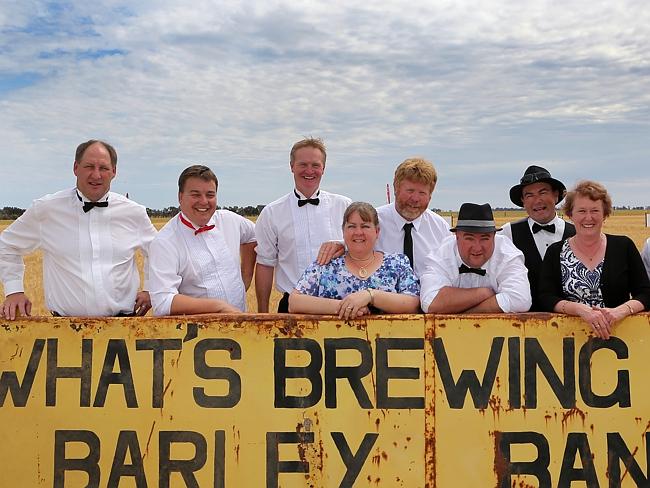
<point x="89" y="205"/>
<point x="466" y="269"/>
<point x="305" y="201"/>
<point x="408" y="242"/>
<point x="548" y="228"/>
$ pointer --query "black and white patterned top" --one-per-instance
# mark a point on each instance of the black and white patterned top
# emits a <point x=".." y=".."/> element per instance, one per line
<point x="579" y="283"/>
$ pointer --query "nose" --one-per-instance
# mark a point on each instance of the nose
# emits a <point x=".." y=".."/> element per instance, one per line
<point x="96" y="174"/>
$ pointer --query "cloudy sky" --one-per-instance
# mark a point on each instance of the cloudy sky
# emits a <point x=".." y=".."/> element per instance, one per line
<point x="480" y="88"/>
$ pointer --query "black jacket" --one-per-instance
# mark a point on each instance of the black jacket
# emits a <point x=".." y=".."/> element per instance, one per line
<point x="623" y="276"/>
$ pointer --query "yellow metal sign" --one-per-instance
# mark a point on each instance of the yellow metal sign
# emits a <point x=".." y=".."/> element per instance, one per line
<point x="265" y="401"/>
<point x="251" y="403"/>
<point x="538" y="401"/>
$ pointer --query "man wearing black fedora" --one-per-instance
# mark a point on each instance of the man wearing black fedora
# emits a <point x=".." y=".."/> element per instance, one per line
<point x="538" y="193"/>
<point x="475" y="271"/>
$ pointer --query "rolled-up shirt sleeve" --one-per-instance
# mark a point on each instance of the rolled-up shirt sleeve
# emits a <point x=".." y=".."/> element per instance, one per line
<point x="147" y="234"/>
<point x="246" y="231"/>
<point x="432" y="281"/>
<point x="513" y="293"/>
<point x="17" y="240"/>
<point x="267" y="240"/>
<point x="164" y="277"/>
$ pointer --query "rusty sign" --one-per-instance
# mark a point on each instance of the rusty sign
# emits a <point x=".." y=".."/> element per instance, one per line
<point x="212" y="403"/>
<point x="262" y="401"/>
<point x="537" y="401"/>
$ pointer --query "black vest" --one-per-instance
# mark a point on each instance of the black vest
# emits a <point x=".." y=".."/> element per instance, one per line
<point x="522" y="237"/>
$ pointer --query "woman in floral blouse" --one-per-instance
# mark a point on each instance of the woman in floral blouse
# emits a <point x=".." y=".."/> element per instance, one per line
<point x="362" y="280"/>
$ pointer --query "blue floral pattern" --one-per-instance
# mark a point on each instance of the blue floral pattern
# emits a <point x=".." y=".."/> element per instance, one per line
<point x="334" y="280"/>
<point x="579" y="283"/>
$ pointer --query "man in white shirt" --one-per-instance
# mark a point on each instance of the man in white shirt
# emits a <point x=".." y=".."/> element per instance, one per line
<point x="290" y="230"/>
<point x="537" y="192"/>
<point x="476" y="271"/>
<point x="202" y="260"/>
<point x="407" y="225"/>
<point x="89" y="237"/>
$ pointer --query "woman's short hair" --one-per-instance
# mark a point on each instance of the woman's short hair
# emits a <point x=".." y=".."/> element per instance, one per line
<point x="366" y="211"/>
<point x="592" y="190"/>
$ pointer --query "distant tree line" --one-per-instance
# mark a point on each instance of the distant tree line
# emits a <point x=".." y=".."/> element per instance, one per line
<point x="11" y="213"/>
<point x="248" y="211"/>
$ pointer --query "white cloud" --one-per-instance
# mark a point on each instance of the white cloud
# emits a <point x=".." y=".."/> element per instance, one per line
<point x="483" y="86"/>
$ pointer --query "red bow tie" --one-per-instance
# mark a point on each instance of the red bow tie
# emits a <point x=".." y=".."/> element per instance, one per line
<point x="196" y="231"/>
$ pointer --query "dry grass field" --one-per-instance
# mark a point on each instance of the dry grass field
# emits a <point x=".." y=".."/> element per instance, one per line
<point x="631" y="223"/>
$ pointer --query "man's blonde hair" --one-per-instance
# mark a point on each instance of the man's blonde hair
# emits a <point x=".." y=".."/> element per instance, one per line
<point x="418" y="170"/>
<point x="314" y="142"/>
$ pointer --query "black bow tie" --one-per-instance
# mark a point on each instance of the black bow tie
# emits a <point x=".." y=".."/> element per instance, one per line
<point x="466" y="269"/>
<point x="90" y="205"/>
<point x="305" y="201"/>
<point x="548" y="228"/>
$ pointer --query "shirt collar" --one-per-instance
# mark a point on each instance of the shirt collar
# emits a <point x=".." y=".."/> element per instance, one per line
<point x="84" y="198"/>
<point x="553" y="221"/>
<point x="212" y="220"/>
<point x="303" y="197"/>
<point x="401" y="220"/>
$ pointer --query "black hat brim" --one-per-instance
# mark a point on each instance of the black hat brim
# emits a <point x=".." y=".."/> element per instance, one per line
<point x="475" y="230"/>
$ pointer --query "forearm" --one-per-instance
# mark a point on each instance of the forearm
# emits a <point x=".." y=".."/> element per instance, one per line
<point x="458" y="300"/>
<point x="486" y="306"/>
<point x="247" y="252"/>
<point x="263" y="285"/>
<point x="186" y="305"/>
<point x="395" y="302"/>
<point x="628" y="308"/>
<point x="299" y="303"/>
<point x="571" y="308"/>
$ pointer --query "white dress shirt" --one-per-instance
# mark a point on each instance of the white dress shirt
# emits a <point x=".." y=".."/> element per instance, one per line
<point x="289" y="237"/>
<point x="645" y="254"/>
<point x="204" y="265"/>
<point x="542" y="239"/>
<point x="89" y="266"/>
<point x="505" y="274"/>
<point x="429" y="230"/>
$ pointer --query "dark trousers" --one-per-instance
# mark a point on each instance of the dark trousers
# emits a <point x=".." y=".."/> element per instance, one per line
<point x="283" y="304"/>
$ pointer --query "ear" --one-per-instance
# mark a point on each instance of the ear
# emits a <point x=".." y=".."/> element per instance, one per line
<point x="75" y="165"/>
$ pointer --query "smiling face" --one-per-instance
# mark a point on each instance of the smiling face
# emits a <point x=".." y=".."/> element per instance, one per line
<point x="412" y="198"/>
<point x="475" y="249"/>
<point x="198" y="200"/>
<point x="587" y="215"/>
<point x="307" y="168"/>
<point x="539" y="200"/>
<point x="94" y="172"/>
<point x="359" y="236"/>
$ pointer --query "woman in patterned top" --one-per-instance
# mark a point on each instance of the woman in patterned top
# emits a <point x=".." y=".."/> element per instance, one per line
<point x="599" y="277"/>
<point x="362" y="280"/>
